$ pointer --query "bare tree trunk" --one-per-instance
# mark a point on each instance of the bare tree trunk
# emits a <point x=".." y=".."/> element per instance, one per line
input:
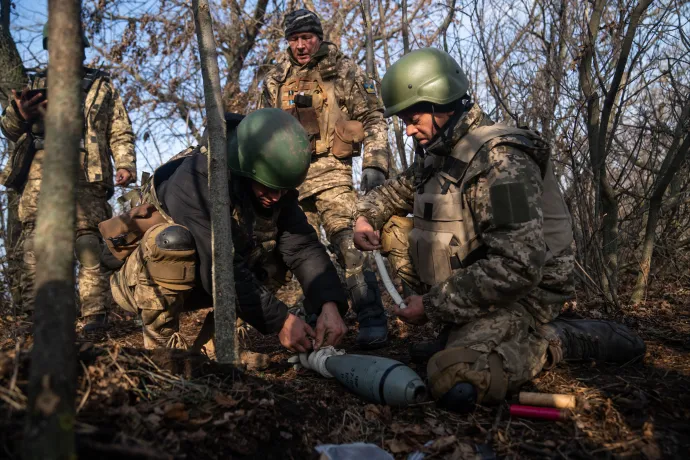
<point x="221" y="233"/>
<point x="597" y="119"/>
<point x="399" y="141"/>
<point x="366" y="14"/>
<point x="13" y="75"/>
<point x="672" y="163"/>
<point x="405" y="28"/>
<point x="52" y="380"/>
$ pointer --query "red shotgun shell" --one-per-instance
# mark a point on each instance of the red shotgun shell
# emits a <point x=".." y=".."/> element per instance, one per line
<point x="544" y="413"/>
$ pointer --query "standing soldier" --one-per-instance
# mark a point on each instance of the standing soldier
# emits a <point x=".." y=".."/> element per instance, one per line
<point x="107" y="133"/>
<point x="489" y="248"/>
<point x="340" y="109"/>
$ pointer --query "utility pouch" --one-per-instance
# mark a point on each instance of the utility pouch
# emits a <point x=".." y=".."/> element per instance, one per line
<point x="349" y="135"/>
<point x="303" y="101"/>
<point x="16" y="172"/>
<point x="122" y="233"/>
<point x="394" y="235"/>
<point x="307" y="118"/>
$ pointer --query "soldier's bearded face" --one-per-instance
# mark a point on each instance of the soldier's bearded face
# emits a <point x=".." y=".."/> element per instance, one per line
<point x="303" y="45"/>
<point x="266" y="196"/>
<point x="420" y="125"/>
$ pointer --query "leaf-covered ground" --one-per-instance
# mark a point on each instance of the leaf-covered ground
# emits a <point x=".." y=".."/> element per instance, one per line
<point x="137" y="404"/>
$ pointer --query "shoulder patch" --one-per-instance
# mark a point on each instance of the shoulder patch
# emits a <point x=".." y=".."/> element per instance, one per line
<point x="509" y="204"/>
<point x="369" y="87"/>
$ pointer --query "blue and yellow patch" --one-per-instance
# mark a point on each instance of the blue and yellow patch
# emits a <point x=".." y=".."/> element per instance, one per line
<point x="369" y="87"/>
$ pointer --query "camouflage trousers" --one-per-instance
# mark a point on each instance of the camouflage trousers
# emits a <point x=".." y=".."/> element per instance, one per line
<point x="496" y="351"/>
<point x="331" y="208"/>
<point x="158" y="284"/>
<point x="92" y="208"/>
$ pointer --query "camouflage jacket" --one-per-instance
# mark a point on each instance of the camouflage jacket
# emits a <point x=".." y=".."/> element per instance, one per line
<point x="506" y="258"/>
<point x="355" y="93"/>
<point x="107" y="130"/>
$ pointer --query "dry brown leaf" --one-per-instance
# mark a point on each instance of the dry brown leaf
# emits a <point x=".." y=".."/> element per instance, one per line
<point x="464" y="451"/>
<point x="398" y="446"/>
<point x="371" y="412"/>
<point x="225" y="401"/>
<point x="201" y="419"/>
<point x="442" y="444"/>
<point x="176" y="411"/>
<point x="197" y="436"/>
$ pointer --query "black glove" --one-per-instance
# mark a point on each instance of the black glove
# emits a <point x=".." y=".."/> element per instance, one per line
<point x="371" y="178"/>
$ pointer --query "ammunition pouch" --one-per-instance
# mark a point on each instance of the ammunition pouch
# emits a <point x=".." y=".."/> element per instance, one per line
<point x="122" y="233"/>
<point x="309" y="121"/>
<point x="395" y="234"/>
<point x="16" y="172"/>
<point x="348" y="138"/>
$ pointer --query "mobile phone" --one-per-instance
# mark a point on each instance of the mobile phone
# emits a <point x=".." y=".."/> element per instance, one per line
<point x="33" y="92"/>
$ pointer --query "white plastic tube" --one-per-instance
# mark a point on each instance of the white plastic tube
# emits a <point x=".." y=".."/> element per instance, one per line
<point x="390" y="287"/>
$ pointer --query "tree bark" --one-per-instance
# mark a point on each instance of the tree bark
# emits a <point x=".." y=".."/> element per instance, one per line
<point x="399" y="141"/>
<point x="52" y="380"/>
<point x="671" y="165"/>
<point x="366" y="14"/>
<point x="224" y="296"/>
<point x="405" y="28"/>
<point x="13" y="75"/>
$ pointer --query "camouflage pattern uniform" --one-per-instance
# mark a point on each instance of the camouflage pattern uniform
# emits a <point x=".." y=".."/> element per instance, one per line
<point x="489" y="250"/>
<point x="327" y="195"/>
<point x="108" y="133"/>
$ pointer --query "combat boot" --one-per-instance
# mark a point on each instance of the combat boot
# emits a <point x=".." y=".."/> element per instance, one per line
<point x="95" y="323"/>
<point x="363" y="291"/>
<point x="590" y="339"/>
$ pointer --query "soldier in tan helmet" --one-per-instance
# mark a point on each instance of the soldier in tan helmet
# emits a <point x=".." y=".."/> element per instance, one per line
<point x="341" y="111"/>
<point x="487" y="255"/>
<point x="107" y="135"/>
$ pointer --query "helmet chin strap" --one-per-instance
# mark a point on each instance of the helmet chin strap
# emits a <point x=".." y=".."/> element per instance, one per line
<point x="442" y="135"/>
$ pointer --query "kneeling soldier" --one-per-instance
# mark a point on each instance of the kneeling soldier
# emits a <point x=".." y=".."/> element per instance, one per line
<point x="167" y="239"/>
<point x="489" y="247"/>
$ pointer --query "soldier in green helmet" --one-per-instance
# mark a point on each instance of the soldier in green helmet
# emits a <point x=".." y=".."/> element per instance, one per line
<point x="165" y="241"/>
<point x="487" y="256"/>
<point x="107" y="138"/>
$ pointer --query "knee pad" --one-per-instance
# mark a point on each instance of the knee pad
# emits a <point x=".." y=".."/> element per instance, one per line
<point x="88" y="250"/>
<point x="484" y="371"/>
<point x="171" y="257"/>
<point x="175" y="238"/>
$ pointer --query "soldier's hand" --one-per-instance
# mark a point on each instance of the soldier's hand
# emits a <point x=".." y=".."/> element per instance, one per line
<point x="371" y="178"/>
<point x="365" y="237"/>
<point x="30" y="108"/>
<point x="414" y="313"/>
<point x="123" y="177"/>
<point x="295" y="334"/>
<point x="330" y="327"/>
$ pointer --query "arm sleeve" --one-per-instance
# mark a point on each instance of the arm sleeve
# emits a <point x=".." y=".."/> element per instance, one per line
<point x="186" y="198"/>
<point x="121" y="136"/>
<point x="307" y="258"/>
<point x="364" y="105"/>
<point x="394" y="197"/>
<point x="12" y="123"/>
<point x="506" y="203"/>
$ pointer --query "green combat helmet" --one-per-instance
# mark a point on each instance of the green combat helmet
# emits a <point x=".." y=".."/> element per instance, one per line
<point x="424" y="75"/>
<point x="45" y="37"/>
<point x="271" y="147"/>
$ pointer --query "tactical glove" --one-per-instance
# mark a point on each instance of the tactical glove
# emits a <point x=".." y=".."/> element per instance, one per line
<point x="371" y="178"/>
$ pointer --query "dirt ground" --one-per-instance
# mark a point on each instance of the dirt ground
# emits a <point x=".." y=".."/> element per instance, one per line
<point x="136" y="404"/>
